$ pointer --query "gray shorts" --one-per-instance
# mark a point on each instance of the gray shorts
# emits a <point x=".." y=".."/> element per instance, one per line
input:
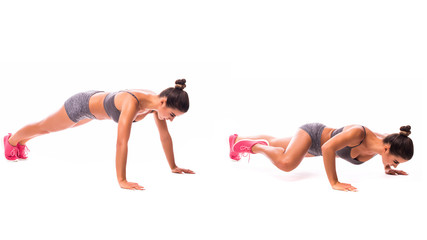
<point x="77" y="106"/>
<point x="315" y="131"/>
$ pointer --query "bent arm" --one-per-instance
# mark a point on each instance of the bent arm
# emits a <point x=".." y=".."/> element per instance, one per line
<point x="347" y="138"/>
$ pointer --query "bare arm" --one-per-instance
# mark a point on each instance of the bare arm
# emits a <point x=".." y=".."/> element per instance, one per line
<point x="128" y="113"/>
<point x="167" y="145"/>
<point x="348" y="138"/>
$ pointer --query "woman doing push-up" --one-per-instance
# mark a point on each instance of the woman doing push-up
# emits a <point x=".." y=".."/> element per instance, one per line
<point x="123" y="107"/>
<point x="354" y="143"/>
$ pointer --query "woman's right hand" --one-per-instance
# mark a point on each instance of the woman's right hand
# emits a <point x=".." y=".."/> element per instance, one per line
<point x="344" y="187"/>
<point x="130" y="185"/>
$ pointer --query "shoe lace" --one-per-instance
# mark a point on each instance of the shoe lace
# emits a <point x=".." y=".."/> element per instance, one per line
<point x="248" y="155"/>
<point x="14" y="152"/>
<point x="25" y="151"/>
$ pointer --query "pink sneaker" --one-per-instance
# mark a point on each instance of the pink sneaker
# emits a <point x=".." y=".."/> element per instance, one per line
<point x="245" y="145"/>
<point x="10" y="152"/>
<point x="23" y="151"/>
<point x="233" y="155"/>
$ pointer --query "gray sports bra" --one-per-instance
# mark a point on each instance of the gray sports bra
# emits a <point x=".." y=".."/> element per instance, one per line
<point x="345" y="153"/>
<point x="110" y="107"/>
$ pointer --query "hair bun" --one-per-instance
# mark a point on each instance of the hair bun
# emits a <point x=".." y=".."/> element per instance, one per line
<point x="180" y="84"/>
<point x="405" y="130"/>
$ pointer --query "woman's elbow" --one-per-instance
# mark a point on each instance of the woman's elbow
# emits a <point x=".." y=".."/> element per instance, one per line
<point x="326" y="149"/>
<point x="121" y="143"/>
<point x="165" y="138"/>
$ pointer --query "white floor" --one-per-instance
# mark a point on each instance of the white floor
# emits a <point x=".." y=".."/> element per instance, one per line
<point x="253" y="67"/>
<point x="64" y="194"/>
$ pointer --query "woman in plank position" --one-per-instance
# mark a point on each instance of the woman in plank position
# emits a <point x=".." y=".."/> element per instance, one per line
<point x="123" y="107"/>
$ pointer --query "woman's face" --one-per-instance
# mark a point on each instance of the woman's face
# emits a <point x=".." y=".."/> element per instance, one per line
<point x="390" y="159"/>
<point x="167" y="113"/>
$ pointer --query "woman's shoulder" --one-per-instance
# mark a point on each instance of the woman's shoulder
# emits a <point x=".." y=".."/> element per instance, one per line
<point x="355" y="130"/>
<point x="142" y="91"/>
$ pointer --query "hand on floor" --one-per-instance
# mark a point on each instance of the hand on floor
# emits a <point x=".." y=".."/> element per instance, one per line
<point x="344" y="187"/>
<point x="182" y="170"/>
<point x="395" y="172"/>
<point x="130" y="185"/>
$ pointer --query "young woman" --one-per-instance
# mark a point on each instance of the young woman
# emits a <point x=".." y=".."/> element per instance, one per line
<point x="123" y="107"/>
<point x="354" y="143"/>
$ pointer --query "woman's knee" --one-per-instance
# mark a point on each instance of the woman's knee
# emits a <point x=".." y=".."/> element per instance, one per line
<point x="41" y="127"/>
<point x="286" y="164"/>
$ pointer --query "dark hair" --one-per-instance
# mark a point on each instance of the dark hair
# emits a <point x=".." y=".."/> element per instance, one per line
<point x="177" y="98"/>
<point x="400" y="144"/>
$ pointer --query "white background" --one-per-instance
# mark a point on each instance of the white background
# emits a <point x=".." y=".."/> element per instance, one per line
<point x="253" y="67"/>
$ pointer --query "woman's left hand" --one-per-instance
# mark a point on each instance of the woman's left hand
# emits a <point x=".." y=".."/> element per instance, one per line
<point x="182" y="170"/>
<point x="395" y="172"/>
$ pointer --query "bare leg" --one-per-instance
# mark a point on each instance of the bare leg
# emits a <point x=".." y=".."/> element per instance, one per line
<point x="286" y="153"/>
<point x="56" y="122"/>
<point x="274" y="142"/>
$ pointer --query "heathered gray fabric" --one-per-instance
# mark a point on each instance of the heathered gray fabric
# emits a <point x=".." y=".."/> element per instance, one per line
<point x="77" y="106"/>
<point x="315" y="131"/>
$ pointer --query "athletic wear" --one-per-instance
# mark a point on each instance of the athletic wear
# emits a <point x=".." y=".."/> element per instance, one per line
<point x="110" y="107"/>
<point x="10" y="152"/>
<point x="233" y="155"/>
<point x="77" y="106"/>
<point x="245" y="145"/>
<point x="345" y="153"/>
<point x="315" y="131"/>
<point x="23" y="151"/>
